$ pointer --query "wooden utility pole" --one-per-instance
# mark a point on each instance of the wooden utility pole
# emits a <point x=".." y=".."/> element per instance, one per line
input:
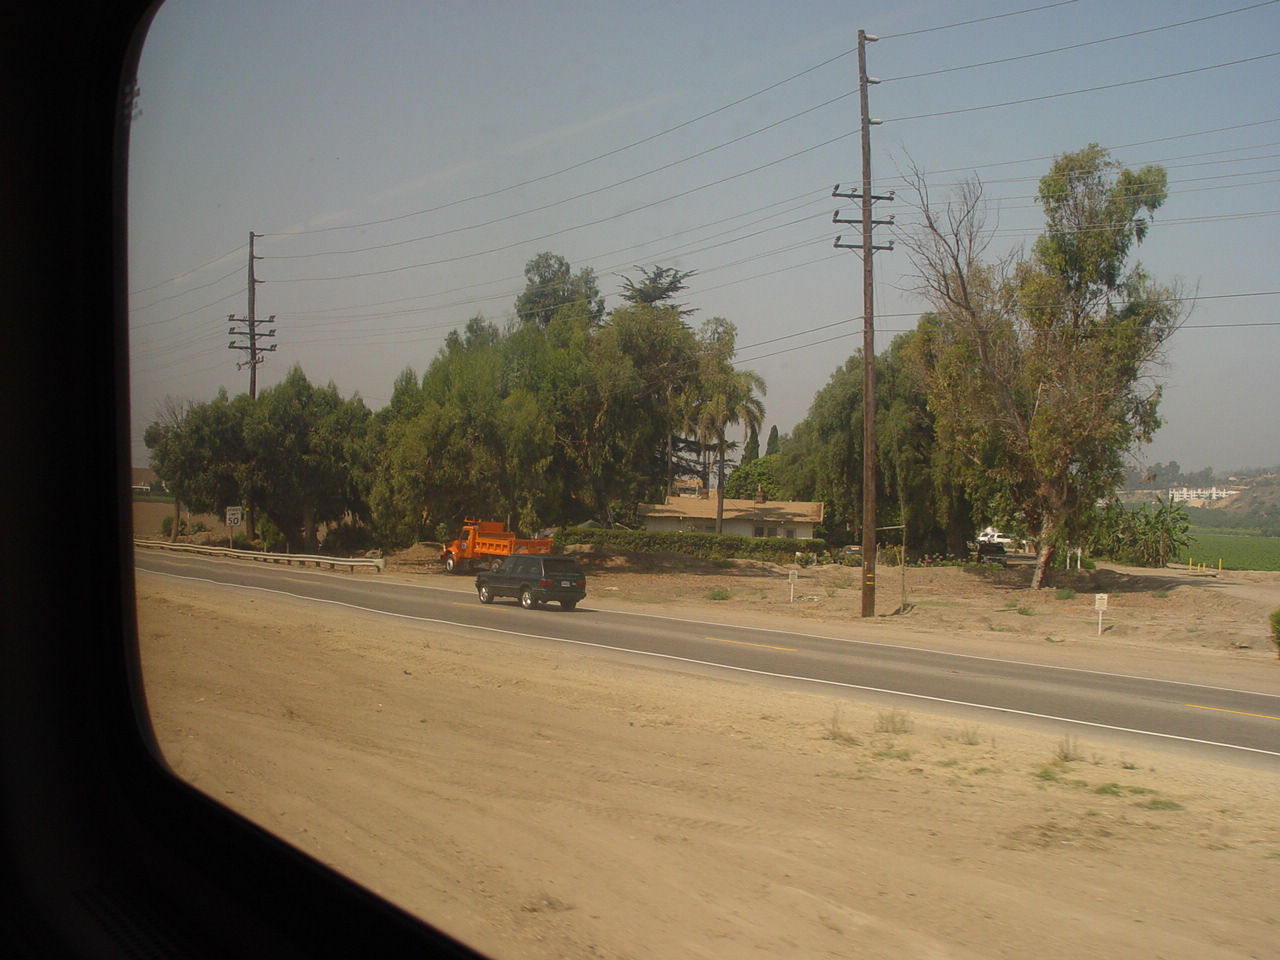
<point x="868" y="248"/>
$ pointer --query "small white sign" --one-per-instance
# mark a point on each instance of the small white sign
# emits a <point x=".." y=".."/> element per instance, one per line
<point x="235" y="516"/>
<point x="1100" y="601"/>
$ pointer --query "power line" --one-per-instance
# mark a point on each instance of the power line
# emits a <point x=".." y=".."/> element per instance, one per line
<point x="207" y="263"/>
<point x="1077" y="46"/>
<point x="602" y="156"/>
<point x="580" y="226"/>
<point x="1072" y="93"/>
<point x="967" y="23"/>
<point x="579" y="196"/>
<point x="1024" y="160"/>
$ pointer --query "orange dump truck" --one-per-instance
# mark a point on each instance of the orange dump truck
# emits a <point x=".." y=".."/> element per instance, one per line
<point x="484" y="543"/>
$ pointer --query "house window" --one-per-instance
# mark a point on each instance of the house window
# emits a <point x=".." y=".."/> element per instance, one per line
<point x="773" y="532"/>
<point x="789" y="533"/>
<point x="758" y="532"/>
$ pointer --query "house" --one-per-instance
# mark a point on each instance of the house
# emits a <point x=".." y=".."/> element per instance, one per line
<point x="145" y="480"/>
<point x="745" y="518"/>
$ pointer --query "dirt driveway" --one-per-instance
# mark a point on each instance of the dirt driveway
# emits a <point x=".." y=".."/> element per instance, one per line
<point x="548" y="804"/>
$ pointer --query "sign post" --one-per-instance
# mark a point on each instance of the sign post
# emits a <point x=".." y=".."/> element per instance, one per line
<point x="1100" y="604"/>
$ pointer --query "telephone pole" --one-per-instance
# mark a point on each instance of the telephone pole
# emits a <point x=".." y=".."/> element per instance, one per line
<point x="253" y="356"/>
<point x="253" y="352"/>
<point x="867" y="248"/>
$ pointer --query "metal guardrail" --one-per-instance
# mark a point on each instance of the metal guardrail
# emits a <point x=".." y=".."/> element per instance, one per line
<point x="290" y="558"/>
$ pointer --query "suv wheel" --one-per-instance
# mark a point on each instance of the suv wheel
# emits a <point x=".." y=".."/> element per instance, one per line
<point x="485" y="595"/>
<point x="526" y="599"/>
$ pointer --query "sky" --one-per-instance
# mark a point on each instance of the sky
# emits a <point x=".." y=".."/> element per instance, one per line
<point x="402" y="161"/>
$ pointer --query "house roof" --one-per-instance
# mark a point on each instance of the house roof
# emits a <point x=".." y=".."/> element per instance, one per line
<point x="697" y="508"/>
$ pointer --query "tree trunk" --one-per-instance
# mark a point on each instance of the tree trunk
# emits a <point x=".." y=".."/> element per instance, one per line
<point x="1044" y="555"/>
<point x="720" y="490"/>
<point x="308" y="530"/>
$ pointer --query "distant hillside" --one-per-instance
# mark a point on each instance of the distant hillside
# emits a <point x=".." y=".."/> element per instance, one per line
<point x="1260" y="501"/>
<point x="1256" y="506"/>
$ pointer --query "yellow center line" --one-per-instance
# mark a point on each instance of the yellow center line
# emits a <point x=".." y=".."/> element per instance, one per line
<point x="1264" y="716"/>
<point x="747" y="644"/>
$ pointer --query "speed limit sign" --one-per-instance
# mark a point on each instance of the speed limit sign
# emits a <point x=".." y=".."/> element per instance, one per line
<point x="235" y="516"/>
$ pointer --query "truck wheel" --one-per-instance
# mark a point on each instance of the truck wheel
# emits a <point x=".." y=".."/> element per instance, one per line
<point x="526" y="599"/>
<point x="485" y="595"/>
<point x="451" y="564"/>
<point x="497" y="562"/>
<point x="568" y="604"/>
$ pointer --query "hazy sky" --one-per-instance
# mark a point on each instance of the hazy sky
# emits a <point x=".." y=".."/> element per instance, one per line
<point x="404" y="160"/>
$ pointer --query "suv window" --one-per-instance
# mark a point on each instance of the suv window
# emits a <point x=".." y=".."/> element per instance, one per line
<point x="559" y="565"/>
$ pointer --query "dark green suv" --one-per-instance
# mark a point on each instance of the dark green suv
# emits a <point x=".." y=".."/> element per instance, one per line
<point x="534" y="580"/>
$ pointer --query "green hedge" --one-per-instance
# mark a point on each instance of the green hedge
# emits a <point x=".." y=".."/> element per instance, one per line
<point x="712" y="546"/>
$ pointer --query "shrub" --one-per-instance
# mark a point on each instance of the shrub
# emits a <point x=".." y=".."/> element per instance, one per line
<point x="1065" y="593"/>
<point x="1275" y="630"/>
<point x="894" y="720"/>
<point x="346" y="539"/>
<point x="705" y="545"/>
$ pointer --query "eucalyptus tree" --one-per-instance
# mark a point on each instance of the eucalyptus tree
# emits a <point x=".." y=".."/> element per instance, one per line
<point x="1039" y="370"/>
<point x="302" y="440"/>
<point x="198" y="450"/>
<point x="551" y="284"/>
<point x="822" y="459"/>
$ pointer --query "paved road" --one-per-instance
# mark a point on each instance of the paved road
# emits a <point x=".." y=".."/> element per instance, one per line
<point x="1238" y="724"/>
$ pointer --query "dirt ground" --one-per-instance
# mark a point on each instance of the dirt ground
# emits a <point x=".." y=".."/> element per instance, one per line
<point x="545" y="803"/>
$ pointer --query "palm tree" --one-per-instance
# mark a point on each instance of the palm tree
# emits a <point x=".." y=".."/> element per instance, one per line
<point x="735" y="398"/>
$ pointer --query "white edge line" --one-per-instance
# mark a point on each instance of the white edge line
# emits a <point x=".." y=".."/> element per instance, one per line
<point x="945" y="653"/>
<point x="761" y="673"/>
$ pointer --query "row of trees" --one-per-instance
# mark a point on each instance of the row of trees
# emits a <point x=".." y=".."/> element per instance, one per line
<point x="1014" y="400"/>
<point x="1162" y="476"/>
<point x="564" y="415"/>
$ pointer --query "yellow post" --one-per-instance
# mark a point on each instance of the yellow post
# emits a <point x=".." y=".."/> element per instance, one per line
<point x="1190" y="565"/>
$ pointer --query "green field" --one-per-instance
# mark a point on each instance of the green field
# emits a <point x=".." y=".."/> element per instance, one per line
<point x="1236" y="553"/>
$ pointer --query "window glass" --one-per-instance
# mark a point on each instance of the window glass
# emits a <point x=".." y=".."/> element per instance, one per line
<point x="393" y="265"/>
<point x="559" y="565"/>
